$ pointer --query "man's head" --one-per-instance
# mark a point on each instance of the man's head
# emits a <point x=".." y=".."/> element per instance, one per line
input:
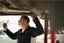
<point x="23" y="21"/>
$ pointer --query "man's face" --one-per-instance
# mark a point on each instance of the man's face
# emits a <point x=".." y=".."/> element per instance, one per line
<point x="22" y="22"/>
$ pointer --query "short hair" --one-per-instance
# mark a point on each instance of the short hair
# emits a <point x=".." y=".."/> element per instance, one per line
<point x="26" y="18"/>
<point x="57" y="41"/>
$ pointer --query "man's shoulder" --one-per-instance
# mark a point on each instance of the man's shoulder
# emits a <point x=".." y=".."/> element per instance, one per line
<point x="32" y="28"/>
<point x="20" y="30"/>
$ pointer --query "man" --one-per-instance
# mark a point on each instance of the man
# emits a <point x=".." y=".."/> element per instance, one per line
<point x="24" y="35"/>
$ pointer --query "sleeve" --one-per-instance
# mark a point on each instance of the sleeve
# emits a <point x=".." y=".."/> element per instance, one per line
<point x="10" y="34"/>
<point x="38" y="30"/>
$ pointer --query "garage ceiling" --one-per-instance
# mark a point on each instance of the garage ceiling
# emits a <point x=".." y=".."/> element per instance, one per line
<point x="56" y="8"/>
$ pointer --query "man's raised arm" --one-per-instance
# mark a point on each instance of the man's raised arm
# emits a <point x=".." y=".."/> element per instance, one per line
<point x="39" y="28"/>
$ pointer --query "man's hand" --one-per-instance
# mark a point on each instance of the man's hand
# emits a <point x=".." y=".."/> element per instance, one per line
<point x="35" y="11"/>
<point x="5" y="26"/>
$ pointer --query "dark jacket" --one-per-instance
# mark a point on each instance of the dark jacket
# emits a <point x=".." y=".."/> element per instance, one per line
<point x="25" y="37"/>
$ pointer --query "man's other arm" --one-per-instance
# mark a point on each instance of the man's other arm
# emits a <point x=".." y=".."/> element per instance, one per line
<point x="10" y="34"/>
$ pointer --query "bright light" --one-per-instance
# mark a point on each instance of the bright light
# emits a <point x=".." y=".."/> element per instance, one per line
<point x="13" y="22"/>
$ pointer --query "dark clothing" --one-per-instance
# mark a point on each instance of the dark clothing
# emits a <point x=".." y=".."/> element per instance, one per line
<point x="25" y="37"/>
